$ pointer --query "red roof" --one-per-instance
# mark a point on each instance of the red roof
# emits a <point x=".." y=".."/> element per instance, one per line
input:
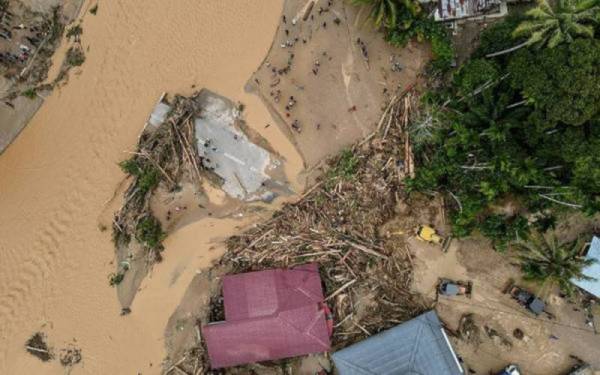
<point x="269" y="315"/>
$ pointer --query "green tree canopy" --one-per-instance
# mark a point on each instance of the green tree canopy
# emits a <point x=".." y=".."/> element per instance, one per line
<point x="391" y="14"/>
<point x="563" y="82"/>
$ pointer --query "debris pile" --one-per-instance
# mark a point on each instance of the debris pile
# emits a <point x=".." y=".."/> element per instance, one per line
<point x="70" y="356"/>
<point x="37" y="346"/>
<point x="337" y="223"/>
<point x="468" y="330"/>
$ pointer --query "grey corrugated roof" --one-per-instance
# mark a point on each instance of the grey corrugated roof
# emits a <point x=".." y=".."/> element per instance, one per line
<point x="417" y="347"/>
<point x="591" y="286"/>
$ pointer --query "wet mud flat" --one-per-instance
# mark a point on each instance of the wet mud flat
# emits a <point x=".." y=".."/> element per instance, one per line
<point x="328" y="74"/>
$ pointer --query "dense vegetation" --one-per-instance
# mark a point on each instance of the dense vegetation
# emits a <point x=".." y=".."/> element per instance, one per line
<point x="546" y="259"/>
<point x="519" y="128"/>
<point x="512" y="137"/>
<point x="403" y="20"/>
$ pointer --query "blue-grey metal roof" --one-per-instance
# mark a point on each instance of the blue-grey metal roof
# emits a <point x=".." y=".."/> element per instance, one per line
<point x="416" y="347"/>
<point x="592" y="286"/>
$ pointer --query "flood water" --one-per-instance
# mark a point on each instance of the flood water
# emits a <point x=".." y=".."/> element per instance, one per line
<point x="58" y="174"/>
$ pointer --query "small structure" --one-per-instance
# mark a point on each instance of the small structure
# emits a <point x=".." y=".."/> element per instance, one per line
<point x="159" y="113"/>
<point x="454" y="10"/>
<point x="593" y="271"/>
<point x="419" y="346"/>
<point x="269" y="315"/>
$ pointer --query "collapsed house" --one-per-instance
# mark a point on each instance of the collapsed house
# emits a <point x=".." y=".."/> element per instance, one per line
<point x="269" y="315"/>
<point x="459" y="10"/>
<point x="240" y="164"/>
<point x="228" y="152"/>
<point x="453" y="10"/>
<point x="418" y="346"/>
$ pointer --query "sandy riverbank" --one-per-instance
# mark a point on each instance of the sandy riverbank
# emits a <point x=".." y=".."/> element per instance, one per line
<point x="57" y="175"/>
<point x="20" y="110"/>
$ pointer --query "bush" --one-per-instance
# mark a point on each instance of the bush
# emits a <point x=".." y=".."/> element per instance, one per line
<point x="30" y="93"/>
<point x="148" y="180"/>
<point x="503" y="230"/>
<point x="498" y="37"/>
<point x="423" y="28"/>
<point x="346" y="166"/>
<point x="74" y="31"/>
<point x="131" y="167"/>
<point x="443" y="53"/>
<point x="116" y="278"/>
<point x="149" y="233"/>
<point x="148" y="176"/>
<point x="75" y="56"/>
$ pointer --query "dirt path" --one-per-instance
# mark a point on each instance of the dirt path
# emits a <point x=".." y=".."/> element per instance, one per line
<point x="490" y="271"/>
<point x="56" y="177"/>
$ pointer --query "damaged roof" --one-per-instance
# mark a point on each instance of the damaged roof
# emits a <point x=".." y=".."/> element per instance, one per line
<point x="269" y="315"/>
<point x="419" y="346"/>
<point x="227" y="151"/>
<point x="456" y="9"/>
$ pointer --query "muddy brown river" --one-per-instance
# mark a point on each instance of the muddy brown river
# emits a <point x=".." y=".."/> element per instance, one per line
<point x="59" y="173"/>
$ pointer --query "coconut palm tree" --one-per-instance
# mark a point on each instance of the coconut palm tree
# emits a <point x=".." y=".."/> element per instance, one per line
<point x="384" y="13"/>
<point x="547" y="27"/>
<point x="545" y="259"/>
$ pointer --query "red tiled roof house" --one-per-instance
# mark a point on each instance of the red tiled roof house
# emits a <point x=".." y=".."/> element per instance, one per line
<point x="269" y="315"/>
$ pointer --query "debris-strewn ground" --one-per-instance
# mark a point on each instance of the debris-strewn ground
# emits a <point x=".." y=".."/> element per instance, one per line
<point x="358" y="224"/>
<point x="493" y="330"/>
<point x="337" y="223"/>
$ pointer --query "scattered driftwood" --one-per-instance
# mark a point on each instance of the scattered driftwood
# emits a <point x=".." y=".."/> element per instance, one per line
<point x="165" y="155"/>
<point x="336" y="224"/>
<point x="37" y="346"/>
<point x="70" y="356"/>
<point x="468" y="330"/>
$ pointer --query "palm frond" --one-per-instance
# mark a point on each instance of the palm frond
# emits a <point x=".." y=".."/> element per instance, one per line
<point x="556" y="38"/>
<point x="585" y="5"/>
<point x="526" y="28"/>
<point x="546" y="259"/>
<point x="583" y="30"/>
<point x="545" y="7"/>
